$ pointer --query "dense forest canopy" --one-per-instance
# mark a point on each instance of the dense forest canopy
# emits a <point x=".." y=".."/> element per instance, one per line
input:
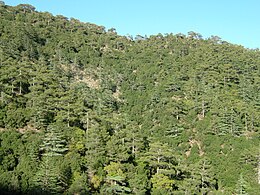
<point x="84" y="110"/>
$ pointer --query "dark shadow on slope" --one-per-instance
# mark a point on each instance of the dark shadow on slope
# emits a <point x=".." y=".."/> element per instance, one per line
<point x="4" y="191"/>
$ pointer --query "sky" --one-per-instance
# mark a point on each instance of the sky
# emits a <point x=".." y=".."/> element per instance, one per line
<point x="235" y="21"/>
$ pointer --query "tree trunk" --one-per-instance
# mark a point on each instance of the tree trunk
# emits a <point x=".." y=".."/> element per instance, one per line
<point x="258" y="167"/>
<point x="68" y="115"/>
<point x="203" y="109"/>
<point x="246" y="123"/>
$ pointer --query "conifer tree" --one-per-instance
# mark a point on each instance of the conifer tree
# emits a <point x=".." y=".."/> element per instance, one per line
<point x="160" y="158"/>
<point x="49" y="177"/>
<point x="242" y="186"/>
<point x="116" y="179"/>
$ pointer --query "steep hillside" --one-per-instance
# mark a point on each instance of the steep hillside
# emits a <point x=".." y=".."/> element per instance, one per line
<point x="84" y="110"/>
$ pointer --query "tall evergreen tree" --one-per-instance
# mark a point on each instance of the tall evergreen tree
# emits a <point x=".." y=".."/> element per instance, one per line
<point x="242" y="186"/>
<point x="49" y="177"/>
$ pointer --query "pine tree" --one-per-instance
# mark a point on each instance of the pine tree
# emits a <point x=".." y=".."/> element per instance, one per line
<point x="116" y="179"/>
<point x="50" y="177"/>
<point x="54" y="143"/>
<point x="161" y="184"/>
<point x="206" y="176"/>
<point x="242" y="186"/>
<point x="138" y="179"/>
<point x="95" y="147"/>
<point x="160" y="158"/>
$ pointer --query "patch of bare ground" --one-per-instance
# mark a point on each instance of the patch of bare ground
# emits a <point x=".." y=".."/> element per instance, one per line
<point x="92" y="83"/>
<point x="193" y="142"/>
<point x="23" y="129"/>
<point x="117" y="95"/>
<point x="27" y="128"/>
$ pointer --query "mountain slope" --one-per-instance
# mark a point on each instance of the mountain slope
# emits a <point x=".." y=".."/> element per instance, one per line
<point x="85" y="110"/>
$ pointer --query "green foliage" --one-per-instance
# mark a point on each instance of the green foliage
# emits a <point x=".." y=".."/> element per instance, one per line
<point x="138" y="179"/>
<point x="115" y="179"/>
<point x="161" y="184"/>
<point x="50" y="176"/>
<point x="54" y="144"/>
<point x="87" y="111"/>
<point x="242" y="186"/>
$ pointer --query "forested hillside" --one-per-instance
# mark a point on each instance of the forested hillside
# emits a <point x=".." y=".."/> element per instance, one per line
<point x="84" y="110"/>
